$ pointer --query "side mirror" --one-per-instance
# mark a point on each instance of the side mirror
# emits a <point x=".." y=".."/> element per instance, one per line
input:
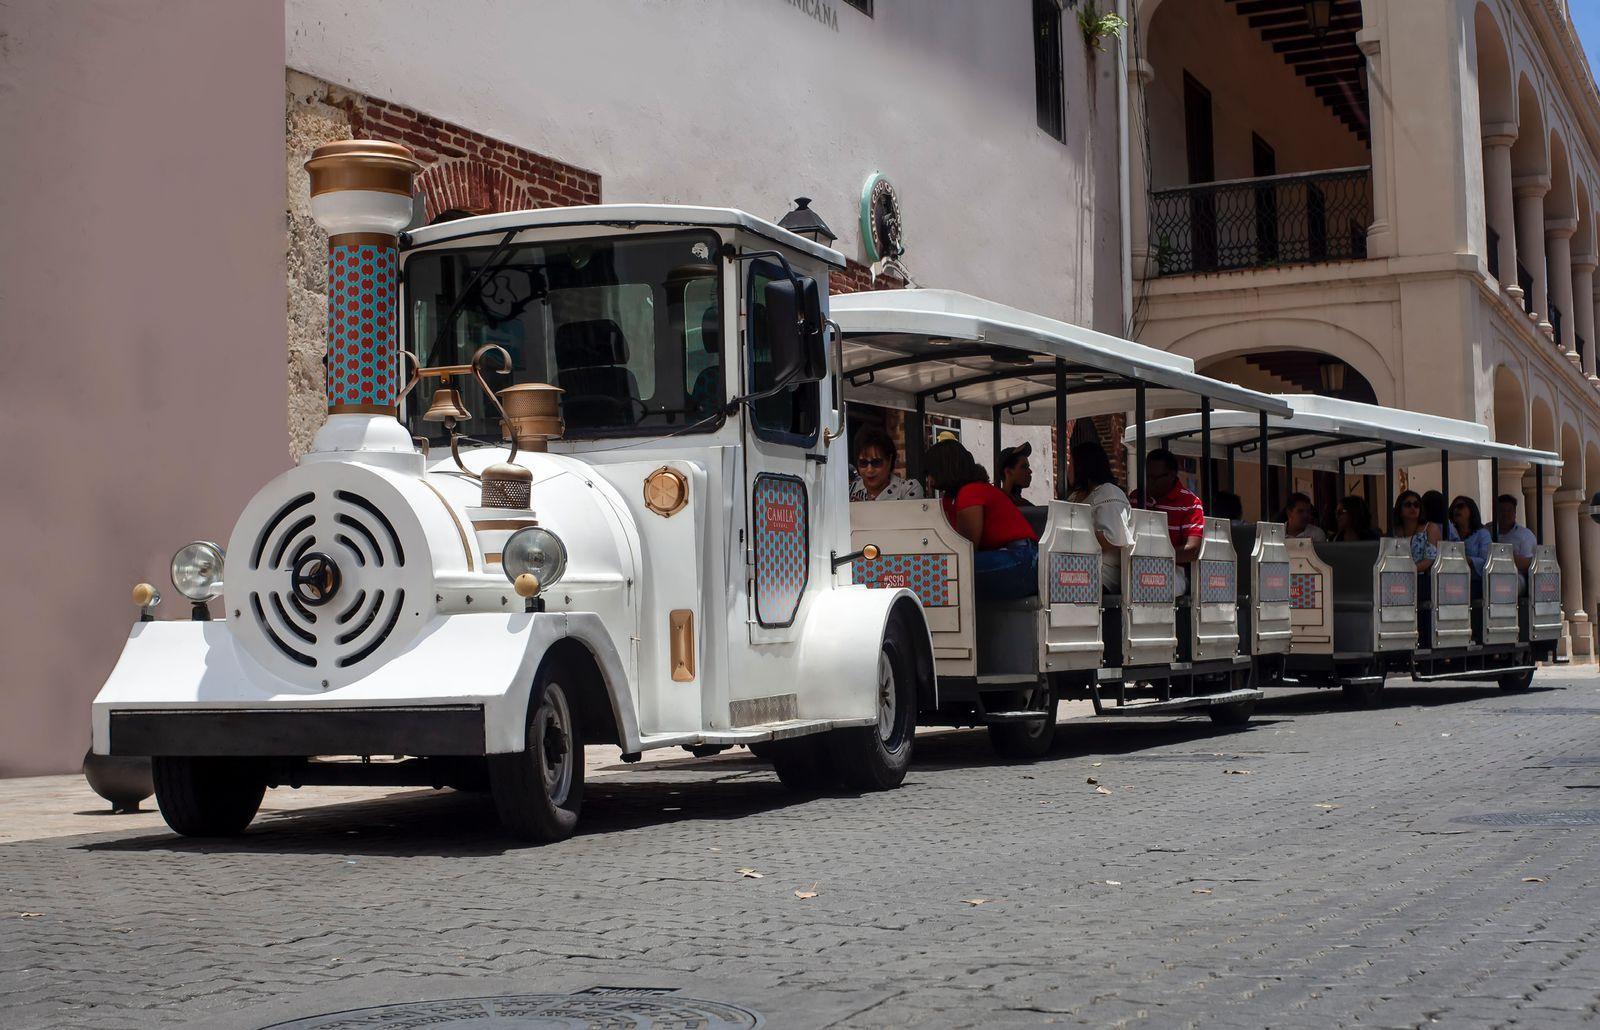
<point x="792" y="330"/>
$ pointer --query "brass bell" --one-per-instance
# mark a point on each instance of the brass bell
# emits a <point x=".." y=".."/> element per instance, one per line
<point x="446" y="407"/>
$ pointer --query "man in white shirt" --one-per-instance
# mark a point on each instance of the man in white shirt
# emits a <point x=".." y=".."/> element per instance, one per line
<point x="1520" y="538"/>
<point x="1300" y="518"/>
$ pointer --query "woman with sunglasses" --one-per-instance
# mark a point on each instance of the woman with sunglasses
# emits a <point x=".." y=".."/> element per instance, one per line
<point x="1408" y="521"/>
<point x="1468" y="525"/>
<point x="1353" y="521"/>
<point x="875" y="478"/>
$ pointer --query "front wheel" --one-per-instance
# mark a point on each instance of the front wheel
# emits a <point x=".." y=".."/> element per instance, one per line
<point x="801" y="764"/>
<point x="538" y="791"/>
<point x="1235" y="713"/>
<point x="1363" y="695"/>
<point x="876" y="757"/>
<point x="207" y="797"/>
<point x="1516" y="682"/>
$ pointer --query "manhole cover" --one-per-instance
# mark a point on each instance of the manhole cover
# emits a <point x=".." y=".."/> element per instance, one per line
<point x="1553" y="710"/>
<point x="610" y="1008"/>
<point x="1570" y="817"/>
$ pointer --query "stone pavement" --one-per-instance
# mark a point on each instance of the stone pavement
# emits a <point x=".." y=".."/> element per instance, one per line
<point x="1429" y="862"/>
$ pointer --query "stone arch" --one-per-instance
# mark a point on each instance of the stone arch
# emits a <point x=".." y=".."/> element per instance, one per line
<point x="1497" y="101"/>
<point x="1233" y="339"/>
<point x="1559" y="202"/>
<point x="1583" y="239"/>
<point x="1510" y="408"/>
<point x="1528" y="153"/>
<point x="472" y="186"/>
<point x="1571" y="457"/>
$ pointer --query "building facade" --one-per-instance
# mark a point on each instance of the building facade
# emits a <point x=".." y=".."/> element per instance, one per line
<point x="173" y="132"/>
<point x="1395" y="204"/>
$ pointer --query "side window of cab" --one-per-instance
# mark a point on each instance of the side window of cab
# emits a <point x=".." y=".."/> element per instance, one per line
<point x="792" y="414"/>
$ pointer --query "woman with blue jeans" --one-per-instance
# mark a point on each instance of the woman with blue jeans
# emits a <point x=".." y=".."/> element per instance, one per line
<point x="1006" y="549"/>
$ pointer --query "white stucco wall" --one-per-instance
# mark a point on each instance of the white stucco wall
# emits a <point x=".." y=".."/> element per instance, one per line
<point x="749" y="103"/>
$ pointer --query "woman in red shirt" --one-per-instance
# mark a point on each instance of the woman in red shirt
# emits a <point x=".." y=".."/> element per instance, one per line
<point x="1006" y="547"/>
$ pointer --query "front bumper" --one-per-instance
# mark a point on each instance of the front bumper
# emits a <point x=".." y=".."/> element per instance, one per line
<point x="431" y="730"/>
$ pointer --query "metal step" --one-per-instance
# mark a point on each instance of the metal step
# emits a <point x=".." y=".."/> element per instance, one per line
<point x="1025" y="715"/>
<point x="1178" y="704"/>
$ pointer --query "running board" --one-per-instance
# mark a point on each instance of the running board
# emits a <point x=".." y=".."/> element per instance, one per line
<point x="1473" y="674"/>
<point x="1025" y="715"/>
<point x="1178" y="704"/>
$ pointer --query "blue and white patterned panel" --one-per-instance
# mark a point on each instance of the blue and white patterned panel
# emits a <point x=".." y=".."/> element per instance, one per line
<point x="1455" y="588"/>
<point x="1274" y="582"/>
<point x="1305" y="591"/>
<point x="1152" y="580"/>
<point x="1503" y="588"/>
<point x="1218" y="582"/>
<point x="1074" y="578"/>
<point x="781" y="533"/>
<point x="926" y="575"/>
<point x="1397" y="588"/>
<point x="1545" y="587"/>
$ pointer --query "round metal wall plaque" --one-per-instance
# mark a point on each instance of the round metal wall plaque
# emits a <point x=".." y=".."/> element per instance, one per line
<point x="882" y="232"/>
<point x="666" y="491"/>
<point x="614" y="1011"/>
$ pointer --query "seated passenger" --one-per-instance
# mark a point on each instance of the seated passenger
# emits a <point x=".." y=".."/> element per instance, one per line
<point x="1301" y="519"/>
<point x="1013" y="474"/>
<point x="1407" y="523"/>
<point x="1467" y="526"/>
<point x="1434" y="513"/>
<point x="1006" y="549"/>
<point x="1520" y="538"/>
<point x="1093" y="484"/>
<point x="876" y="479"/>
<point x="1225" y="504"/>
<point x="1353" y="521"/>
<point x="1186" y="517"/>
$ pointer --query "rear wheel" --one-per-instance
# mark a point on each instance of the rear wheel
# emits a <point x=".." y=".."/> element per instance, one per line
<point x="876" y="757"/>
<point x="1235" y="713"/>
<point x="1516" y="682"/>
<point x="538" y="791"/>
<point x="1363" y="694"/>
<point x="1027" y="741"/>
<point x="208" y="797"/>
<point x="801" y="763"/>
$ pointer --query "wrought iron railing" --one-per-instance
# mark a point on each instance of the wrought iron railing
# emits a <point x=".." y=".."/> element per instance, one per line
<point x="1259" y="223"/>
<point x="1494" y="253"/>
<point x="1525" y="281"/>
<point x="1555" y="322"/>
<point x="1578" y="346"/>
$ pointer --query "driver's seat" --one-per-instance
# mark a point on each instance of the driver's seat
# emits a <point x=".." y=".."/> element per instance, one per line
<point x="600" y="390"/>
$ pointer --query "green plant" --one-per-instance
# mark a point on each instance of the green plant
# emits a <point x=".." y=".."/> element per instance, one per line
<point x="1097" y="26"/>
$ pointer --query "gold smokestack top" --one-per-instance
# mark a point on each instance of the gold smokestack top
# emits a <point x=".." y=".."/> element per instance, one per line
<point x="533" y="415"/>
<point x="362" y="164"/>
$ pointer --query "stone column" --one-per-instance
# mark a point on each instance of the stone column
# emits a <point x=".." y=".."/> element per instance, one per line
<point x="1568" y="553"/>
<point x="1589" y="545"/>
<point x="1583" y="266"/>
<point x="1530" y="191"/>
<point x="1140" y="75"/>
<point x="1549" y="511"/>
<point x="1558" y="256"/>
<point x="1499" y="205"/>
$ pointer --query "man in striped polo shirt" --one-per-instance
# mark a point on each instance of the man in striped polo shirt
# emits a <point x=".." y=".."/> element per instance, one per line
<point x="1186" y="517"/>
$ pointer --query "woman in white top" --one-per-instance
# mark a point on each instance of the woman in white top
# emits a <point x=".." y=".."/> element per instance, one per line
<point x="875" y="476"/>
<point x="1301" y="519"/>
<point x="1092" y="484"/>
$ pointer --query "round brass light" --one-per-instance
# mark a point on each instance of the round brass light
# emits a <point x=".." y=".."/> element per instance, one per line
<point x="870" y="552"/>
<point x="666" y="491"/>
<point x="145" y="595"/>
<point x="526" y="585"/>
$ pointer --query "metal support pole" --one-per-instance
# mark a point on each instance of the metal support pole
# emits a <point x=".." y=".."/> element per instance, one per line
<point x="1341" y="482"/>
<point x="1494" y="499"/>
<point x="1261" y="445"/>
<point x="1140" y="443"/>
<point x="1388" y="483"/>
<point x="1538" y="504"/>
<point x="1205" y="453"/>
<point x="1288" y="475"/>
<point x="1062" y="447"/>
<point x="916" y="439"/>
<point x="996" y="412"/>
<point x="1233" y="484"/>
<point x="1444" y="486"/>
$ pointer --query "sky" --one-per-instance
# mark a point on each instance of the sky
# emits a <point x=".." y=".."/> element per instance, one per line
<point x="1586" y="15"/>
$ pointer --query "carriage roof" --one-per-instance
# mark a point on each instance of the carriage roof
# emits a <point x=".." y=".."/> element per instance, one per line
<point x="970" y="357"/>
<point x="1322" y="430"/>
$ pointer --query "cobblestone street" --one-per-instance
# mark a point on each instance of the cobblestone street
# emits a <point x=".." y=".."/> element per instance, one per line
<point x="1433" y="861"/>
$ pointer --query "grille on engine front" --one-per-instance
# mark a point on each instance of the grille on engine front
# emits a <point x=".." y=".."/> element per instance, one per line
<point x="366" y="598"/>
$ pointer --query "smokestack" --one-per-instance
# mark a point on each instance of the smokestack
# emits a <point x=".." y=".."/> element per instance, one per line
<point x="361" y="194"/>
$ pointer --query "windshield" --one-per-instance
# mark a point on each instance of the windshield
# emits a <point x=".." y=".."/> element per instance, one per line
<point x="629" y="328"/>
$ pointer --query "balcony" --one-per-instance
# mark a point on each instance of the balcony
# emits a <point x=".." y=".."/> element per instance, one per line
<point x="1306" y="218"/>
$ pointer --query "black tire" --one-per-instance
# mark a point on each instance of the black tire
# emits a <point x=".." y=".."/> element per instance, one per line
<point x="1025" y="741"/>
<point x="538" y="791"/>
<point x="1363" y="695"/>
<point x="1236" y="713"/>
<point x="868" y="758"/>
<point x="208" y="797"/>
<point x="802" y="763"/>
<point x="1516" y="682"/>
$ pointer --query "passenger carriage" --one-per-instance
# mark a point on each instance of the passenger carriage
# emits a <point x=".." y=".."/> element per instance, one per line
<point x="1004" y="665"/>
<point x="1359" y="610"/>
<point x="651" y="549"/>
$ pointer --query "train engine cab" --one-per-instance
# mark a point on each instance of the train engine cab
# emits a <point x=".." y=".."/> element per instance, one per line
<point x="1128" y="624"/>
<point x="574" y="488"/>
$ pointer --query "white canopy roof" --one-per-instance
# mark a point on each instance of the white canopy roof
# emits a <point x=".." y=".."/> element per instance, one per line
<point x="967" y="356"/>
<point x="630" y="215"/>
<point x="1321" y="430"/>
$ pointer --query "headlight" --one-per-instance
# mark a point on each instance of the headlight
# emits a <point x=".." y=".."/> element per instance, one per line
<point x="197" y="571"/>
<point x="535" y="551"/>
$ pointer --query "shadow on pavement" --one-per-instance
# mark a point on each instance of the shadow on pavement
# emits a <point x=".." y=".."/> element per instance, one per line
<point x="1399" y="693"/>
